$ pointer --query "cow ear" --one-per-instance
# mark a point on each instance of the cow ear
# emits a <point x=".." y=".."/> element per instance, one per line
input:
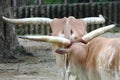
<point x="57" y="25"/>
<point x="97" y="32"/>
<point x="62" y="51"/>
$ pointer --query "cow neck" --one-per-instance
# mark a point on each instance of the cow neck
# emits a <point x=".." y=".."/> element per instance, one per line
<point x="76" y="41"/>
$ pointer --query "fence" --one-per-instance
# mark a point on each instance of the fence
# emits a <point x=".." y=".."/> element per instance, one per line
<point x="110" y="10"/>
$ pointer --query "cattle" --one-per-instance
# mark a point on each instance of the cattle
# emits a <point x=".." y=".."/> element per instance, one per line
<point x="69" y="28"/>
<point x="97" y="59"/>
<point x="86" y="56"/>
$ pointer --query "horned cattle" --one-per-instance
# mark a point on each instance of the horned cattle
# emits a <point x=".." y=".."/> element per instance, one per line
<point x="95" y="59"/>
<point x="73" y="64"/>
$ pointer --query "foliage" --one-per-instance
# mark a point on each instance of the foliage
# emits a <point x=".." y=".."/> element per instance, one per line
<point x="115" y="30"/>
<point x="32" y="2"/>
<point x="71" y="1"/>
<point x="53" y="1"/>
<point x="103" y="0"/>
<point x="35" y="2"/>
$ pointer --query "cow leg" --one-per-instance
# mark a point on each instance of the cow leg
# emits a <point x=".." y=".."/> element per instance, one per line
<point x="72" y="77"/>
<point x="64" y="69"/>
<point x="62" y="73"/>
<point x="69" y="76"/>
<point x="68" y="73"/>
<point x="93" y="75"/>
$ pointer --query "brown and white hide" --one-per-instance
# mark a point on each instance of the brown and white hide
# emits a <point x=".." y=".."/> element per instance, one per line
<point x="97" y="60"/>
<point x="83" y="62"/>
<point x="104" y="57"/>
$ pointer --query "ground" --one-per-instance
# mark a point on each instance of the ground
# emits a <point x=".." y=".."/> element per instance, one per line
<point x="40" y="67"/>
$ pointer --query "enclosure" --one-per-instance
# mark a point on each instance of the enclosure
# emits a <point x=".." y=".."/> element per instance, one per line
<point x="41" y="65"/>
<point x="110" y="10"/>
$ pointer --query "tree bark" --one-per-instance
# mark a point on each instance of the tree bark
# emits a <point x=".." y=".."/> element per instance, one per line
<point x="66" y="1"/>
<point x="40" y="2"/>
<point x="9" y="46"/>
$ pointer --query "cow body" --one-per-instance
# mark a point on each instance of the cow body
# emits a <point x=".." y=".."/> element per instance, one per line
<point x="97" y="60"/>
<point x="103" y="55"/>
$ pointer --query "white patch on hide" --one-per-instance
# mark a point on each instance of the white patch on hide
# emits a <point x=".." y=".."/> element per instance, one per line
<point x="104" y="62"/>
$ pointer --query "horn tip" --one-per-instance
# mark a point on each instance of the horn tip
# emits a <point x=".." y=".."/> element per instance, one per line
<point x="113" y="25"/>
<point x="4" y="17"/>
<point x="22" y="37"/>
<point x="101" y="16"/>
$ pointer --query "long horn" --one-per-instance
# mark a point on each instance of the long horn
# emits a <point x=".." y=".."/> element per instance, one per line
<point x="51" y="39"/>
<point x="95" y="20"/>
<point x="97" y="32"/>
<point x="35" y="20"/>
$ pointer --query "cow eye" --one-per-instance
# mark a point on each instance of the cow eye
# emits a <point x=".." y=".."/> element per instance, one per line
<point x="71" y="32"/>
<point x="62" y="32"/>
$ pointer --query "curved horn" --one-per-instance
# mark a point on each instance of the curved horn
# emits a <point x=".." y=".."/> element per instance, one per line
<point x="51" y="39"/>
<point x="35" y="20"/>
<point x="97" y="32"/>
<point x="95" y="20"/>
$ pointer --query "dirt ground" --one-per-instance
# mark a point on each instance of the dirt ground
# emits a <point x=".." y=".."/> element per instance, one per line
<point x="40" y="67"/>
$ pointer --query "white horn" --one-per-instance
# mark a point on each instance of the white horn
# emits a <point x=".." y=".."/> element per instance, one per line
<point x="51" y="39"/>
<point x="35" y="20"/>
<point x="95" y="20"/>
<point x="97" y="32"/>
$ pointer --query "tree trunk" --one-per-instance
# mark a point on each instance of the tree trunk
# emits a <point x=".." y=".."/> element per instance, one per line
<point x="9" y="46"/>
<point x="66" y="1"/>
<point x="40" y="2"/>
